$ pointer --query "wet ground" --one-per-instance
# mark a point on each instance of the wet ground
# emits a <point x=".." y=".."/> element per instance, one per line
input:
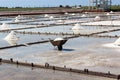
<point x="13" y="72"/>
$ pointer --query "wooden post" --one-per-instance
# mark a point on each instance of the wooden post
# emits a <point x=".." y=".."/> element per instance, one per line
<point x="109" y="72"/>
<point x="64" y="66"/>
<point x="17" y="62"/>
<point x="0" y="59"/>
<point x="87" y="70"/>
<point x="32" y="64"/>
<point x="11" y="59"/>
<point x="46" y="65"/>
<point x="53" y="67"/>
<point x="118" y="77"/>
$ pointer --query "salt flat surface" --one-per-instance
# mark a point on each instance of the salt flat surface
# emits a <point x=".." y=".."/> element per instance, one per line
<point x="16" y="26"/>
<point x="112" y="33"/>
<point x="68" y="29"/>
<point x="90" y="31"/>
<point x="25" y="38"/>
<point x="108" y="23"/>
<point x="53" y="29"/>
<point x="78" y="53"/>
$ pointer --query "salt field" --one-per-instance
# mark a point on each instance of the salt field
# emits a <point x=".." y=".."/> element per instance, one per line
<point x="112" y="33"/>
<point x="24" y="73"/>
<point x="84" y="47"/>
<point x="24" y="38"/>
<point x="73" y="55"/>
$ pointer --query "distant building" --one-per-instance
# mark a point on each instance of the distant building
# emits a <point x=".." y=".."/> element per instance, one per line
<point x="101" y="4"/>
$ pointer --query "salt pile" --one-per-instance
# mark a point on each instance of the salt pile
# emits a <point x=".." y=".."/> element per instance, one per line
<point x="51" y="17"/>
<point x="12" y="42"/>
<point x="46" y="15"/>
<point x="97" y="18"/>
<point x="66" y="13"/>
<point x="58" y="39"/>
<point x="83" y="15"/>
<point x="60" y="21"/>
<point x="73" y="14"/>
<point x="117" y="42"/>
<point x="111" y="12"/>
<point x="4" y="26"/>
<point x="17" y="20"/>
<point x="12" y="36"/>
<point x="77" y="27"/>
<point x="19" y="17"/>
<point x="59" y="42"/>
<point x="108" y="14"/>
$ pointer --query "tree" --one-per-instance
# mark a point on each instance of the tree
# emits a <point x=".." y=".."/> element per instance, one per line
<point x="67" y="6"/>
<point x="61" y="6"/>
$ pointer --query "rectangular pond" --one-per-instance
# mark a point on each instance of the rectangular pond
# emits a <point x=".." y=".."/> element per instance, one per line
<point x="13" y="72"/>
<point x="81" y="52"/>
<point x="115" y="33"/>
<point x="26" y="38"/>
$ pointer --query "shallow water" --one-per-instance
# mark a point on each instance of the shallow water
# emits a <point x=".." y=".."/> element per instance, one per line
<point x="13" y="72"/>
<point x="83" y="52"/>
<point x="26" y="38"/>
<point x="112" y="33"/>
<point x="77" y="53"/>
<point x="68" y="29"/>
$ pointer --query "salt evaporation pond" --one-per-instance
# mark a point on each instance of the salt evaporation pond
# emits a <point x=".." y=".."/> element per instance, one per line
<point x="15" y="26"/>
<point x="5" y="21"/>
<point x="81" y="52"/>
<point x="12" y="20"/>
<point x="25" y="38"/>
<point x="47" y="20"/>
<point x="40" y="22"/>
<point x="25" y="73"/>
<point x="66" y="29"/>
<point x="112" y="33"/>
<point x="50" y="29"/>
<point x="107" y="23"/>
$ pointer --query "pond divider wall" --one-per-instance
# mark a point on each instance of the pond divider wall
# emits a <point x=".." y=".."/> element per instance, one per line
<point x="25" y="44"/>
<point x="48" y="66"/>
<point x="31" y="43"/>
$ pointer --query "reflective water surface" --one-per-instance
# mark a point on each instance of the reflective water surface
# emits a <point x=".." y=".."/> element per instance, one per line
<point x="94" y="53"/>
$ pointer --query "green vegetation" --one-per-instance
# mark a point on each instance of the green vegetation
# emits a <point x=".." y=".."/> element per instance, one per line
<point x="22" y="8"/>
<point x="115" y="8"/>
